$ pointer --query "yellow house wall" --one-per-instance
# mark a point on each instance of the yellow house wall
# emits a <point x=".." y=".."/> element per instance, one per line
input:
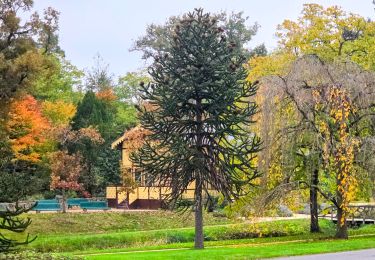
<point x="144" y="192"/>
<point x="125" y="157"/>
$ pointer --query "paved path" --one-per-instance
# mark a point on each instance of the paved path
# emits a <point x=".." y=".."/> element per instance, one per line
<point x="350" y="255"/>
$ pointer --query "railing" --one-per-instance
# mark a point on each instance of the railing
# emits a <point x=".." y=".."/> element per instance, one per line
<point x="358" y="214"/>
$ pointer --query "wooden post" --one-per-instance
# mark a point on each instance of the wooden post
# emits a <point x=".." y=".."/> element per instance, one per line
<point x="116" y="197"/>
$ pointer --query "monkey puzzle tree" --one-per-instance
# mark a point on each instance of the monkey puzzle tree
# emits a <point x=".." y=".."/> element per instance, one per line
<point x="200" y="114"/>
<point x="11" y="223"/>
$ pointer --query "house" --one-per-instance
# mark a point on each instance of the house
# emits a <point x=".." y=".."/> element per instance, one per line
<point x="144" y="195"/>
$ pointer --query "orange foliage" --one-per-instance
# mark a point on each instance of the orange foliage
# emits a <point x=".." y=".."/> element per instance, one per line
<point x="106" y="95"/>
<point x="26" y="127"/>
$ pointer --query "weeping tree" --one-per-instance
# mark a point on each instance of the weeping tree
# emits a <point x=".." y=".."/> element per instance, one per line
<point x="199" y="111"/>
<point x="335" y="106"/>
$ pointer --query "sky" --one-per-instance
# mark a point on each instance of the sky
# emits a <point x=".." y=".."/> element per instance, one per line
<point x="110" y="27"/>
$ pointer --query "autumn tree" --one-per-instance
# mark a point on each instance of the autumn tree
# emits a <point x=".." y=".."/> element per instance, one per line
<point x="59" y="112"/>
<point x="65" y="172"/>
<point x="333" y="35"/>
<point x="20" y="43"/>
<point x="331" y="102"/>
<point x="330" y="33"/>
<point x="27" y="128"/>
<point x="23" y="172"/>
<point x="73" y="143"/>
<point x="201" y="112"/>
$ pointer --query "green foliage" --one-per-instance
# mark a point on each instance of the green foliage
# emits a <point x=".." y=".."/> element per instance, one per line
<point x="20" y="179"/>
<point x="61" y="83"/>
<point x="128" y="86"/>
<point x="107" y="166"/>
<point x="92" y="111"/>
<point x="98" y="78"/>
<point x="10" y="222"/>
<point x="157" y="37"/>
<point x="126" y="117"/>
<point x="201" y="110"/>
<point x="102" y="163"/>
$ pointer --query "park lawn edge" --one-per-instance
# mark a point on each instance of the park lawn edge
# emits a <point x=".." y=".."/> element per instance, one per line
<point x="289" y="248"/>
<point x="71" y="243"/>
<point x="226" y="243"/>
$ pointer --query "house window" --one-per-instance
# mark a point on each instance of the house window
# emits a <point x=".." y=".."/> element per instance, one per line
<point x="138" y="177"/>
<point x="148" y="181"/>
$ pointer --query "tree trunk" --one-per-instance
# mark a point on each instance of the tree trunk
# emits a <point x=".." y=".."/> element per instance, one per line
<point x="198" y="216"/>
<point x="314" y="214"/>
<point x="342" y="227"/>
<point x="63" y="201"/>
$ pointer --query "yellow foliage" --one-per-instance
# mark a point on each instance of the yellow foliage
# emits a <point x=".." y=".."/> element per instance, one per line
<point x="59" y="112"/>
<point x="274" y="64"/>
<point x="339" y="154"/>
<point x="320" y="31"/>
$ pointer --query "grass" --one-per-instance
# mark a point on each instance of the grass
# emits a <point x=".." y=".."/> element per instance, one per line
<point x="104" y="222"/>
<point x="174" y="237"/>
<point x="77" y="234"/>
<point x="249" y="251"/>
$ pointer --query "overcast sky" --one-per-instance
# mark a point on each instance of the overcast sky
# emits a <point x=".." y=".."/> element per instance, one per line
<point x="109" y="27"/>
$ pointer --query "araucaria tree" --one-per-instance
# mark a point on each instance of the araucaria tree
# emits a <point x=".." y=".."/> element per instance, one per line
<point x="200" y="115"/>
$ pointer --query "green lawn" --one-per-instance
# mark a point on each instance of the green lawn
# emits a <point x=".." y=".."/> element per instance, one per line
<point x="168" y="236"/>
<point x="99" y="233"/>
<point x="249" y="251"/>
<point x="104" y="222"/>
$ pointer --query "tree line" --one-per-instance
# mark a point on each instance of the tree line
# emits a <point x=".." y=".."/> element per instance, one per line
<point x="263" y="128"/>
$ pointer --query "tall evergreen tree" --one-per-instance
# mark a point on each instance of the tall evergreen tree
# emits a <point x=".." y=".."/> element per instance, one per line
<point x="92" y="111"/>
<point x="199" y="114"/>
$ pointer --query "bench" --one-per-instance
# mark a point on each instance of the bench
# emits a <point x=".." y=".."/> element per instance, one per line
<point x="76" y="202"/>
<point x="94" y="205"/>
<point x="47" y="207"/>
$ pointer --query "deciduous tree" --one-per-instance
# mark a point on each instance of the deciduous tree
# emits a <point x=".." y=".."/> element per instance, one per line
<point x="65" y="173"/>
<point x="27" y="128"/>
<point x="334" y="101"/>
